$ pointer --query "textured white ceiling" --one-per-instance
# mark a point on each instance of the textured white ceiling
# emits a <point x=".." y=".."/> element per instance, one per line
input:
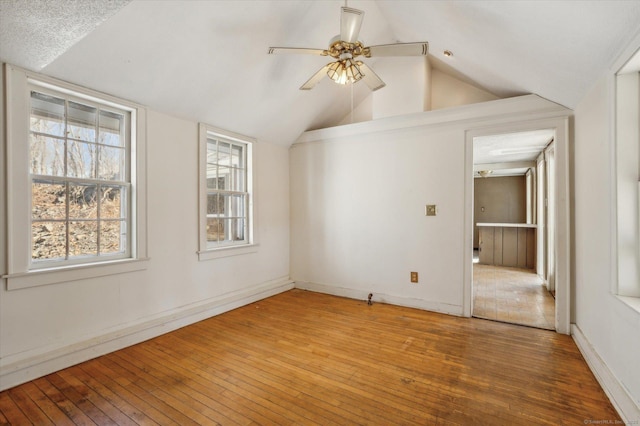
<point x="207" y="60"/>
<point x="35" y="32"/>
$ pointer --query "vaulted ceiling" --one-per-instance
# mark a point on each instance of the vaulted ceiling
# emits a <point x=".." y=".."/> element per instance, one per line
<point x="207" y="60"/>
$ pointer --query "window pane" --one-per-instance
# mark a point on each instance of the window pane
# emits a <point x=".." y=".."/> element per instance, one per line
<point x="112" y="236"/>
<point x="49" y="240"/>
<point x="231" y="229"/>
<point x="111" y="166"/>
<point x="215" y="204"/>
<point x="112" y="204"/>
<point x="46" y="155"/>
<point x="237" y="158"/>
<point x="237" y="229"/>
<point x="81" y="159"/>
<point x="224" y="154"/>
<point x="238" y="181"/>
<point x="215" y="230"/>
<point x="111" y="128"/>
<point x="237" y="205"/>
<point x="83" y="238"/>
<point x="212" y="180"/>
<point x="212" y="151"/>
<point x="47" y="114"/>
<point x="48" y="200"/>
<point x="81" y="122"/>
<point x="224" y="178"/>
<point x="83" y="201"/>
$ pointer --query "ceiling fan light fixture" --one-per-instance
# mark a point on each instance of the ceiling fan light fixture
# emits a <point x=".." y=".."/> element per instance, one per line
<point x="344" y="71"/>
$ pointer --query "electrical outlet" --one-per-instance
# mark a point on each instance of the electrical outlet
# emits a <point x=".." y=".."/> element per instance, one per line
<point x="414" y="277"/>
<point x="430" y="210"/>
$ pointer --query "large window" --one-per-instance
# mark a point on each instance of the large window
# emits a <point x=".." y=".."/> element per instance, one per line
<point x="80" y="187"/>
<point x="225" y="190"/>
<point x="627" y="143"/>
<point x="76" y="186"/>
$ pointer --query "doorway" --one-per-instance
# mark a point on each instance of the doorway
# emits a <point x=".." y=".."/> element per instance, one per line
<point x="507" y="286"/>
<point x="545" y="181"/>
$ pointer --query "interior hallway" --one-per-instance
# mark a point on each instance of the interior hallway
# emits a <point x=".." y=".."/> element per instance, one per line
<point x="512" y="295"/>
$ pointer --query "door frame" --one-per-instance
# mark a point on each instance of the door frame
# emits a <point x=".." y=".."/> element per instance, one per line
<point x="562" y="213"/>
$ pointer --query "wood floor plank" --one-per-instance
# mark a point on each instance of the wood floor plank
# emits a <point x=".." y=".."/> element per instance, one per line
<point x="314" y="359"/>
<point x="142" y="384"/>
<point x="76" y="414"/>
<point x="70" y="376"/>
<point x="242" y="376"/>
<point x="98" y="385"/>
<point x="126" y="391"/>
<point x="28" y="407"/>
<point x="11" y="411"/>
<point x="281" y="387"/>
<point x="52" y="411"/>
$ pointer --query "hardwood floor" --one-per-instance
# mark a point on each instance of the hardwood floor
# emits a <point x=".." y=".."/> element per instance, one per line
<point x="512" y="295"/>
<point x="305" y="358"/>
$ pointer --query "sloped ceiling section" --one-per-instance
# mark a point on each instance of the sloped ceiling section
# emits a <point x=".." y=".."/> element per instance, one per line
<point x="34" y="33"/>
<point x="207" y="60"/>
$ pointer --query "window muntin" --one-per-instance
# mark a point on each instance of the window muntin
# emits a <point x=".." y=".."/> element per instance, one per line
<point x="80" y="184"/>
<point x="227" y="192"/>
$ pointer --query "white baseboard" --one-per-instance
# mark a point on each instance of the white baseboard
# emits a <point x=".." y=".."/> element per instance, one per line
<point x="620" y="398"/>
<point x="381" y="297"/>
<point x="17" y="371"/>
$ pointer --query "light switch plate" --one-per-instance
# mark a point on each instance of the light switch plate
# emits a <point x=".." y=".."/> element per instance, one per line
<point x="431" y="210"/>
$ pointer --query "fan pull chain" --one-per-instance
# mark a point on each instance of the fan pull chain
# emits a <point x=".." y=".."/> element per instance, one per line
<point x="351" y="100"/>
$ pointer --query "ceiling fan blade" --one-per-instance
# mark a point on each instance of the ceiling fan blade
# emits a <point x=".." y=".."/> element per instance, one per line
<point x="370" y="78"/>
<point x="315" y="79"/>
<point x="398" y="49"/>
<point x="296" y="50"/>
<point x="350" y="23"/>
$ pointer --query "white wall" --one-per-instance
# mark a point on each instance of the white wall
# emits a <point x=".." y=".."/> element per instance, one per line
<point x="407" y="89"/>
<point x="611" y="327"/>
<point x="448" y="91"/>
<point x="49" y="327"/>
<point x="414" y="86"/>
<point x="358" y="196"/>
<point x="358" y="218"/>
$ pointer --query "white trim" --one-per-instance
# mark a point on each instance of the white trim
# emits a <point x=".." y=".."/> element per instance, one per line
<point x="558" y="120"/>
<point x="467" y="226"/>
<point x="205" y="251"/>
<point x="626" y="53"/>
<point x="622" y="401"/>
<point x="19" y="273"/>
<point x="380" y="298"/>
<point x="227" y="251"/>
<point x="39" y="277"/>
<point x="503" y="110"/>
<point x="31" y="366"/>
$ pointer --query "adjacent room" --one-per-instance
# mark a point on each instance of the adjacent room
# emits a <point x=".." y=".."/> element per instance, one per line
<point x="319" y="212"/>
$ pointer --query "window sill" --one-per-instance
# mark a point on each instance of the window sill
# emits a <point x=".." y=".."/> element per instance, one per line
<point x="228" y="251"/>
<point x="42" y="277"/>
<point x="631" y="302"/>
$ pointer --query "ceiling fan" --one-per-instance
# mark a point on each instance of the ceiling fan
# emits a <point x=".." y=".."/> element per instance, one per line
<point x="345" y="48"/>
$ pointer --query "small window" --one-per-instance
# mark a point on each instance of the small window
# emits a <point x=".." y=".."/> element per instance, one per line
<point x="226" y="190"/>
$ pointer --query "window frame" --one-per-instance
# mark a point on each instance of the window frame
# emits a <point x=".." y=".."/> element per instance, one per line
<point x="206" y="249"/>
<point x="70" y="180"/>
<point x="624" y="284"/>
<point x="21" y="273"/>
